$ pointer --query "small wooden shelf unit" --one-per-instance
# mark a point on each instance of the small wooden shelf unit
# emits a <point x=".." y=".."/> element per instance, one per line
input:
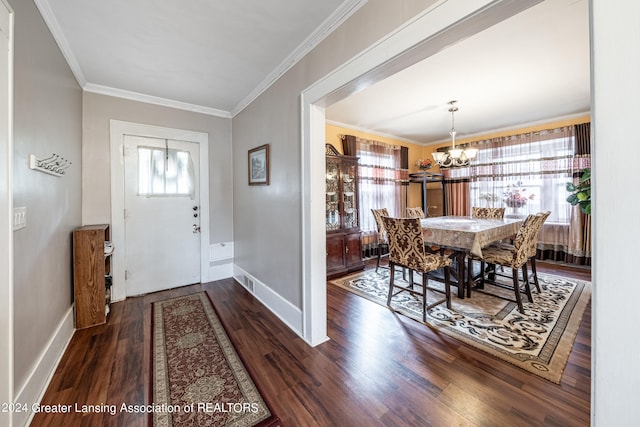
<point x="424" y="179"/>
<point x="91" y="275"/>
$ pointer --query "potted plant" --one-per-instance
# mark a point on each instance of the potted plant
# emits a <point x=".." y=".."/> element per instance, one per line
<point x="581" y="192"/>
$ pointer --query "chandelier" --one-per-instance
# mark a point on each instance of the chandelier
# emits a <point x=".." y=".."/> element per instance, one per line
<point x="456" y="156"/>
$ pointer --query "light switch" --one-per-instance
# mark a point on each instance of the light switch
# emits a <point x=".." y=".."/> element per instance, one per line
<point x="19" y="218"/>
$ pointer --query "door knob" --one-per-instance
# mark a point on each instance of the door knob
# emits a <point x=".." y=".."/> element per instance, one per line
<point x="196" y="228"/>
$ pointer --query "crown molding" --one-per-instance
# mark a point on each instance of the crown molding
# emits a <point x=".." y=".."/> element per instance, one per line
<point x="149" y="99"/>
<point x="337" y="18"/>
<point x="58" y="35"/>
<point x="465" y="138"/>
<point x="551" y="121"/>
<point x="374" y="132"/>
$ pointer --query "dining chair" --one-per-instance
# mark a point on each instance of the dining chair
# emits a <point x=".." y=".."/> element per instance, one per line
<point x="406" y="249"/>
<point x="419" y="213"/>
<point x="532" y="250"/>
<point x="487" y="213"/>
<point x="514" y="256"/>
<point x="383" y="242"/>
<point x="415" y="212"/>
<point x="482" y="213"/>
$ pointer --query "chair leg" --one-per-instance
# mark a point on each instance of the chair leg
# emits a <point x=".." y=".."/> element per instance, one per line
<point x="378" y="261"/>
<point x="480" y="284"/>
<point x="516" y="288"/>
<point x="424" y="296"/>
<point x="535" y="273"/>
<point x="391" y="277"/>
<point x="525" y="276"/>
<point x="447" y="285"/>
<point x="469" y="276"/>
<point x="491" y="269"/>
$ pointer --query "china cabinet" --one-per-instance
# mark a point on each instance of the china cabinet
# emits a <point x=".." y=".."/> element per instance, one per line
<point x="344" y="250"/>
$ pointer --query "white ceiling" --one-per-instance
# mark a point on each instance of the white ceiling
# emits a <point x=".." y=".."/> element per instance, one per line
<point x="213" y="56"/>
<point x="216" y="56"/>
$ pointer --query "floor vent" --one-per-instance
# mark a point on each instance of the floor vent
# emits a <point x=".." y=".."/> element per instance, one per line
<point x="248" y="283"/>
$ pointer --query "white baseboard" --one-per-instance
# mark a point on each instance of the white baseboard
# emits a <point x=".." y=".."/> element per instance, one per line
<point x="39" y="378"/>
<point x="287" y="312"/>
<point x="219" y="272"/>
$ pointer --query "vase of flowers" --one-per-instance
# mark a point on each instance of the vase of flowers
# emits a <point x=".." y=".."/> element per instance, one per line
<point x="516" y="196"/>
<point x="424" y="164"/>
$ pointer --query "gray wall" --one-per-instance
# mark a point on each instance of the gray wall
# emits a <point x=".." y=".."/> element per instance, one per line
<point x="47" y="119"/>
<point x="268" y="246"/>
<point x="99" y="109"/>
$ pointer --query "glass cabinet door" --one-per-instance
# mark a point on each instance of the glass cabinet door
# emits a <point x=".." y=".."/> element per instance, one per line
<point x="333" y="194"/>
<point x="349" y="195"/>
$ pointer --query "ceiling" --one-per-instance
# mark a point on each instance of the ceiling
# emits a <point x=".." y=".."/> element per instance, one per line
<point x="213" y="56"/>
<point x="532" y="68"/>
<point x="216" y="56"/>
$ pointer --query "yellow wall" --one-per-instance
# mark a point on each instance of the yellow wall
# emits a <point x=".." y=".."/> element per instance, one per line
<point x="536" y="128"/>
<point x="424" y="152"/>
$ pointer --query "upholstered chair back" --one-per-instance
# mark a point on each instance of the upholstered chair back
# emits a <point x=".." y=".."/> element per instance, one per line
<point x="487" y="213"/>
<point x="378" y="214"/>
<point x="527" y="234"/>
<point x="406" y="245"/>
<point x="533" y="246"/>
<point x="415" y="212"/>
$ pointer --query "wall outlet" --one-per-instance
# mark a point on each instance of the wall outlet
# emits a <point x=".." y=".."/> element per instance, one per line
<point x="19" y="218"/>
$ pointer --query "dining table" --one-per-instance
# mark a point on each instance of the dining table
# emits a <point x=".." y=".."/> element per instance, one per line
<point x="463" y="235"/>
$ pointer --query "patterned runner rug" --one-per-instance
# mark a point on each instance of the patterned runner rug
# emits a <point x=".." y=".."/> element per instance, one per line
<point x="538" y="341"/>
<point x="198" y="378"/>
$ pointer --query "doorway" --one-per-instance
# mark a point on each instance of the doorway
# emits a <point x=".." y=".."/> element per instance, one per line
<point x="434" y="30"/>
<point x="162" y="218"/>
<point x="168" y="141"/>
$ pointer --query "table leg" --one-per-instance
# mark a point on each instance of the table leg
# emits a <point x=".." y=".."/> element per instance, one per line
<point x="462" y="276"/>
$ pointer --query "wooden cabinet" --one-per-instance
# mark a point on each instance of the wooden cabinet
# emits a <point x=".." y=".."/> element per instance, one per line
<point x="344" y="249"/>
<point x="91" y="274"/>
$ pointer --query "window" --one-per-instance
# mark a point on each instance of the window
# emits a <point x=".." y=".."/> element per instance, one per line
<point x="165" y="172"/>
<point x="379" y="181"/>
<point x="536" y="165"/>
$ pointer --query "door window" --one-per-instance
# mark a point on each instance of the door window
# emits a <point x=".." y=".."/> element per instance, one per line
<point x="163" y="173"/>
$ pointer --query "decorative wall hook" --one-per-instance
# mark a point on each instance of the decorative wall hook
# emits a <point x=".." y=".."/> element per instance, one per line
<point x="55" y="164"/>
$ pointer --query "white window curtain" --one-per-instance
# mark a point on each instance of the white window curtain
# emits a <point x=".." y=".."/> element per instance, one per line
<point x="380" y="186"/>
<point x="528" y="173"/>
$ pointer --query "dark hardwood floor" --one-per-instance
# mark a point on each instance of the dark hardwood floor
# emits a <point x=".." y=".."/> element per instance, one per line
<point x="378" y="369"/>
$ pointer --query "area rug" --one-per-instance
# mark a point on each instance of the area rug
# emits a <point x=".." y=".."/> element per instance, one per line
<point x="198" y="378"/>
<point x="538" y="341"/>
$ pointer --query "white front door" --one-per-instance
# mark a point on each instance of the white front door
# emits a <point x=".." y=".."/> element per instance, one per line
<point x="162" y="214"/>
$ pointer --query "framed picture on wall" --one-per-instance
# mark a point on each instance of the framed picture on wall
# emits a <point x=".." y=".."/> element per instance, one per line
<point x="259" y="165"/>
